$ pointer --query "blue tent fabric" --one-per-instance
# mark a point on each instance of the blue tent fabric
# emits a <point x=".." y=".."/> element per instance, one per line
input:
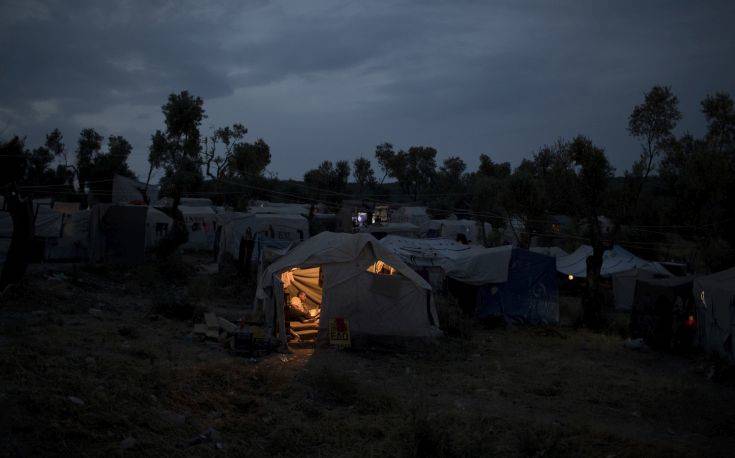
<point x="530" y="295"/>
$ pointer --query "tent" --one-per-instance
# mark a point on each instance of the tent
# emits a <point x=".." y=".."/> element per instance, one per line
<point x="117" y="233"/>
<point x="502" y="281"/>
<point x="201" y="224"/>
<point x="73" y="245"/>
<point x="553" y="251"/>
<point x="660" y="310"/>
<point x="350" y="276"/>
<point x="157" y="225"/>
<point x="403" y="229"/>
<point x="279" y="208"/>
<point x="127" y="190"/>
<point x="412" y="215"/>
<point x="624" y="286"/>
<point x="451" y="228"/>
<point x="185" y="201"/>
<point x="274" y="230"/>
<point x="617" y="259"/>
<point x="715" y="307"/>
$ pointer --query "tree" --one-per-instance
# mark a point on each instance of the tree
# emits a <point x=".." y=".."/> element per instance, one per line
<point x="720" y="116"/>
<point x="55" y="144"/>
<point x="177" y="151"/>
<point x="218" y="162"/>
<point x="328" y="181"/>
<point x="414" y="169"/>
<point x="386" y="157"/>
<point x="593" y="175"/>
<point x="88" y="147"/>
<point x="651" y="123"/>
<point x="364" y="176"/>
<point x="38" y="170"/>
<point x="491" y="169"/>
<point x="12" y="165"/>
<point x="525" y="198"/>
<point x="451" y="188"/>
<point x="251" y="159"/>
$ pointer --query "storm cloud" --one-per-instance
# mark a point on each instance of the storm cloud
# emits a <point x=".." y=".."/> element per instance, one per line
<point x="331" y="79"/>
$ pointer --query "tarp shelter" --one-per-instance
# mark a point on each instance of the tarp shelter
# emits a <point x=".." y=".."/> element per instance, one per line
<point x="617" y="259"/>
<point x="73" y="245"/>
<point x="624" y="286"/>
<point x="510" y="282"/>
<point x="553" y="251"/>
<point x="412" y="215"/>
<point x="127" y="190"/>
<point x="451" y="228"/>
<point x="715" y="305"/>
<point x="274" y="230"/>
<point x="117" y="233"/>
<point x="350" y="276"/>
<point x="157" y="225"/>
<point x="401" y="229"/>
<point x="660" y="305"/>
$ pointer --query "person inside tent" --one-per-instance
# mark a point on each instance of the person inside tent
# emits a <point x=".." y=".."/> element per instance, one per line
<point x="297" y="309"/>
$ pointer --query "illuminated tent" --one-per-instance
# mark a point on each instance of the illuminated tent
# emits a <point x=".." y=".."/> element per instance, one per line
<point x="502" y="281"/>
<point x="714" y="297"/>
<point x="617" y="259"/>
<point x="350" y="276"/>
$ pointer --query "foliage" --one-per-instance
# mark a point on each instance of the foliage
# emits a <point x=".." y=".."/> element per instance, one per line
<point x="328" y="182"/>
<point x="362" y="172"/>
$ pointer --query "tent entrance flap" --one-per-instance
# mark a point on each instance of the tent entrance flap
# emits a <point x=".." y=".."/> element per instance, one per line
<point x="302" y="293"/>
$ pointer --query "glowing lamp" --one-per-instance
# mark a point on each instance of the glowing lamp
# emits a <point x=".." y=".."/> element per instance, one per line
<point x="570" y="277"/>
<point x="690" y="322"/>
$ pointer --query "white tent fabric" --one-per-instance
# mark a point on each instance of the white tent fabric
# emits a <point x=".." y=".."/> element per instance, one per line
<point x="291" y="228"/>
<point x="157" y="225"/>
<point x="201" y="223"/>
<point x="405" y="229"/>
<point x="413" y="215"/>
<point x="553" y="251"/>
<point x="615" y="260"/>
<point x="74" y="241"/>
<point x="467" y="263"/>
<point x="374" y="304"/>
<point x="715" y="300"/>
<point x="450" y="228"/>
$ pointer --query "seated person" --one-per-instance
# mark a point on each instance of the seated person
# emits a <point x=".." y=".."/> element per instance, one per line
<point x="297" y="309"/>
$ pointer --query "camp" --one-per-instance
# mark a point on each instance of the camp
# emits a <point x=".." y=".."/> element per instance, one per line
<point x="715" y="304"/>
<point x="512" y="283"/>
<point x="616" y="259"/>
<point x="351" y="277"/>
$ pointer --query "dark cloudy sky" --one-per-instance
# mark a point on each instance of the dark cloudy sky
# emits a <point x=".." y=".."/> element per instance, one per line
<point x="331" y="79"/>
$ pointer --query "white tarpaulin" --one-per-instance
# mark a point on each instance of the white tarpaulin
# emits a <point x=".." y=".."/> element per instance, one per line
<point x="617" y="259"/>
<point x="624" y="286"/>
<point x="413" y="215"/>
<point x="374" y="303"/>
<point x="283" y="227"/>
<point x="451" y="228"/>
<point x="553" y="251"/>
<point x="201" y="223"/>
<point x="127" y="190"/>
<point x="157" y="225"/>
<point x="469" y="264"/>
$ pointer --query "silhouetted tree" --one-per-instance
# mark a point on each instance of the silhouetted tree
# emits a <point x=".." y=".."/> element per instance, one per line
<point x="364" y="176"/>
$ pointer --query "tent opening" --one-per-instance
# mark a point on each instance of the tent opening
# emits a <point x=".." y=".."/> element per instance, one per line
<point x="302" y="289"/>
<point x="381" y="268"/>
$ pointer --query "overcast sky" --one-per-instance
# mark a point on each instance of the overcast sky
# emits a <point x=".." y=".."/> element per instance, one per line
<point x="332" y="79"/>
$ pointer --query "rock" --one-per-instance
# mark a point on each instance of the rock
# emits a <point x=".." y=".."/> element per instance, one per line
<point x="128" y="443"/>
<point x="75" y="400"/>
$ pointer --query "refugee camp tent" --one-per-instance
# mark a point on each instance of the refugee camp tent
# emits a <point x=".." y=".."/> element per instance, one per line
<point x="73" y="244"/>
<point x="157" y="225"/>
<point x="117" y="233"/>
<point x="451" y="228"/>
<point x="350" y="276"/>
<point x="660" y="311"/>
<point x="201" y="224"/>
<point x="274" y="230"/>
<point x="403" y="229"/>
<point x="553" y="251"/>
<point x="617" y="259"/>
<point x="624" y="286"/>
<point x="412" y="215"/>
<point x="127" y="190"/>
<point x="503" y="281"/>
<point x="279" y="208"/>
<point x="715" y="305"/>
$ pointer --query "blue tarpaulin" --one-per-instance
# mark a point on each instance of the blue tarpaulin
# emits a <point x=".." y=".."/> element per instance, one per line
<point x="530" y="295"/>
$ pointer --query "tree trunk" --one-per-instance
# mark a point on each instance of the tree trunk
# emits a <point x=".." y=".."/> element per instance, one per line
<point x="593" y="301"/>
<point x="179" y="234"/>
<point x="16" y="262"/>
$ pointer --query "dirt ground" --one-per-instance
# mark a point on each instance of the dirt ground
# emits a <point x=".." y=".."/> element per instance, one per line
<point x="100" y="361"/>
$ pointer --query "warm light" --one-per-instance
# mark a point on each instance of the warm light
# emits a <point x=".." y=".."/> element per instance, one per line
<point x="690" y="321"/>
<point x="570" y="277"/>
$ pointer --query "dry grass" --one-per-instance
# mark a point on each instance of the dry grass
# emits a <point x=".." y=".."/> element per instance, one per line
<point x="524" y="392"/>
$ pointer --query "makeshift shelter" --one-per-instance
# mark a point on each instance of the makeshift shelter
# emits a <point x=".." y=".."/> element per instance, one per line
<point x="350" y="276"/>
<point x="127" y="190"/>
<point x="413" y="215"/>
<point x="624" y="284"/>
<point x="661" y="310"/>
<point x="617" y="259"/>
<point x="73" y="244"/>
<point x="168" y="202"/>
<point x="157" y="225"/>
<point x="453" y="228"/>
<point x="553" y="251"/>
<point x="274" y="230"/>
<point x="715" y="308"/>
<point x="503" y="281"/>
<point x="401" y="229"/>
<point x="201" y="224"/>
<point x="117" y="233"/>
